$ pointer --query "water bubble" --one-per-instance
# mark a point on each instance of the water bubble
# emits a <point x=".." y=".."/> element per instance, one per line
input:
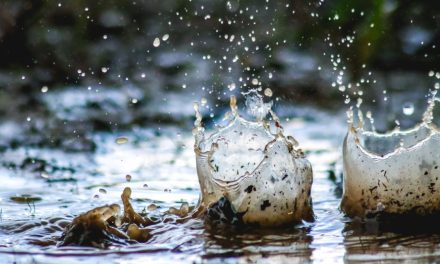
<point x="255" y="81"/>
<point x="128" y="177"/>
<point x="121" y="140"/>
<point x="408" y="109"/>
<point x="156" y="42"/>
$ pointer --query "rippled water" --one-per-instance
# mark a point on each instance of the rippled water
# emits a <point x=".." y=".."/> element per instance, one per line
<point x="161" y="163"/>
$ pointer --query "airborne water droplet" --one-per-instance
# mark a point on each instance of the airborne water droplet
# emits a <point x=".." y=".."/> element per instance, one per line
<point x="156" y="42"/>
<point x="268" y="92"/>
<point x="44" y="89"/>
<point x="408" y="109"/>
<point x="101" y="190"/>
<point x="121" y="140"/>
<point x="128" y="177"/>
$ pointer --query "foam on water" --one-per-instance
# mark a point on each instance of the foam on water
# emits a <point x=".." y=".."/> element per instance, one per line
<point x="263" y="174"/>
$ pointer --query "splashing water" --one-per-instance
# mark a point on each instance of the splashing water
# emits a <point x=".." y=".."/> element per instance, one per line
<point x="263" y="175"/>
<point x="392" y="173"/>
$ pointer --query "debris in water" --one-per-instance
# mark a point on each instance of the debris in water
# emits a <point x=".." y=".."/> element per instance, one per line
<point x="152" y="207"/>
<point x="262" y="174"/>
<point x="25" y="198"/>
<point x="104" y="226"/>
<point x="128" y="177"/>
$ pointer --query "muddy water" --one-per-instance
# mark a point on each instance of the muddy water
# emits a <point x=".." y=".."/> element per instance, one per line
<point x="44" y="189"/>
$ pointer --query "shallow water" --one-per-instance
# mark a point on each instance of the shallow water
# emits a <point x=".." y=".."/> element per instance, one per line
<point x="161" y="163"/>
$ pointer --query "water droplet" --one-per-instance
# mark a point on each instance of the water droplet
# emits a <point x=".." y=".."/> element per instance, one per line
<point x="96" y="196"/>
<point x="145" y="185"/>
<point x="104" y="37"/>
<point x="101" y="190"/>
<point x="408" y="109"/>
<point x="128" y="177"/>
<point x="44" y="175"/>
<point x="28" y="119"/>
<point x="255" y="81"/>
<point x="143" y="75"/>
<point x="121" y="140"/>
<point x="44" y="89"/>
<point x="268" y="92"/>
<point x="156" y="42"/>
<point x="104" y="69"/>
<point x="165" y="37"/>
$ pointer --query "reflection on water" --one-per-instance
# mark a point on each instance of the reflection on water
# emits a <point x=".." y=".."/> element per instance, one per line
<point x="163" y="173"/>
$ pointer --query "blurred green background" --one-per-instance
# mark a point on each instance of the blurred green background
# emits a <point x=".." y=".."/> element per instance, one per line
<point x="318" y="52"/>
